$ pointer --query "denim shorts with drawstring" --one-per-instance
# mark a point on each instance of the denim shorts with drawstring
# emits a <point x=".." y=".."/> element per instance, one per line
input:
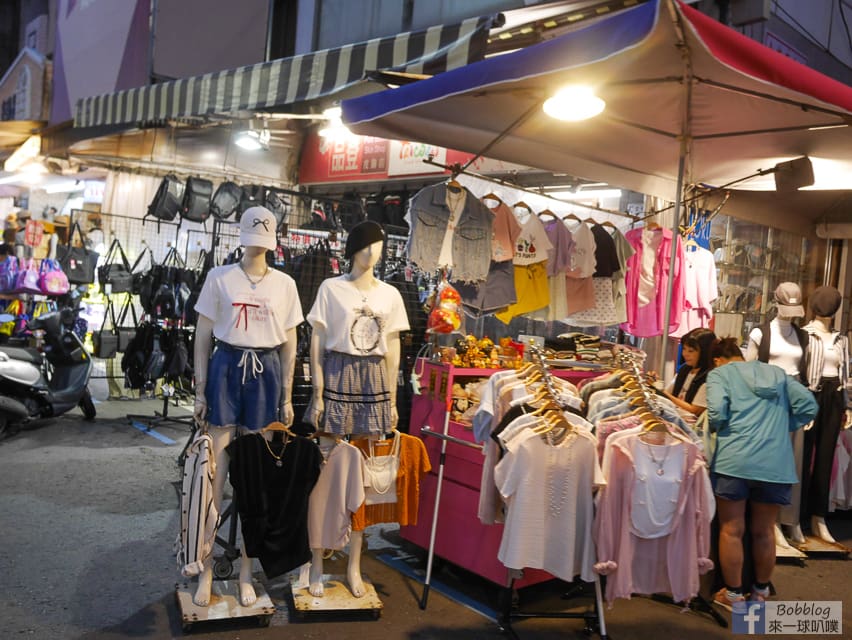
<point x="243" y="387"/>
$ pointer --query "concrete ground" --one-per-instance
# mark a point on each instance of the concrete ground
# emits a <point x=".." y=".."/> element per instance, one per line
<point x="88" y="519"/>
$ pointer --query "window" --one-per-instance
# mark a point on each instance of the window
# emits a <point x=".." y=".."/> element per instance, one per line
<point x="7" y="110"/>
<point x="22" y="96"/>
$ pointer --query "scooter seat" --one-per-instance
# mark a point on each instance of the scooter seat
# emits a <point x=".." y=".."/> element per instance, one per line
<point x="23" y="353"/>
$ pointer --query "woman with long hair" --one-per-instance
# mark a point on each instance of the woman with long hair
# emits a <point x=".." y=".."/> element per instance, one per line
<point x="688" y="391"/>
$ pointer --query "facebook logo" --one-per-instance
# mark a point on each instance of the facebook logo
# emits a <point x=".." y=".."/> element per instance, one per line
<point x="749" y="618"/>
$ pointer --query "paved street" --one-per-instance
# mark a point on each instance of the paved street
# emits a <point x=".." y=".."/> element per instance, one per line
<point x="88" y="518"/>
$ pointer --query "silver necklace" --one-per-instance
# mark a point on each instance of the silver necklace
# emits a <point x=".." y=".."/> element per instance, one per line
<point x="660" y="463"/>
<point x="361" y="292"/>
<point x="555" y="503"/>
<point x="253" y="283"/>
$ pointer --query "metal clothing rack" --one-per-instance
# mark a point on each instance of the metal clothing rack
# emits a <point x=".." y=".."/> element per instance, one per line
<point x="630" y="361"/>
<point x="457" y="169"/>
<point x="506" y="614"/>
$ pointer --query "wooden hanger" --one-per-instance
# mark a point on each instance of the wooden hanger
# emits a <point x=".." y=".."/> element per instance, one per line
<point x="523" y="205"/>
<point x="546" y="213"/>
<point x="691" y="242"/>
<point x="570" y="216"/>
<point x="651" y="225"/>
<point x="590" y="221"/>
<point x="277" y="426"/>
<point x="526" y="370"/>
<point x="492" y="196"/>
<point x="609" y="223"/>
<point x="454" y="185"/>
<point x="328" y="436"/>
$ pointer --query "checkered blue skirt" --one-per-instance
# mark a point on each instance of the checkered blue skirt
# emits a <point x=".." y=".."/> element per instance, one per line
<point x="355" y="394"/>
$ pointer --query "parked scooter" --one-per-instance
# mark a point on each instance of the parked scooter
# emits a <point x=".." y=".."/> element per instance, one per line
<point x="46" y="382"/>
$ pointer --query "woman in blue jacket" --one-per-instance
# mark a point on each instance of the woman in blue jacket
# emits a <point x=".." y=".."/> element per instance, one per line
<point x="753" y="407"/>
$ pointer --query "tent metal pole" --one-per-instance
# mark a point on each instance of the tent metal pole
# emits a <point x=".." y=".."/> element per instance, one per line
<point x="673" y="256"/>
<point x="685" y="142"/>
<point x="428" y="580"/>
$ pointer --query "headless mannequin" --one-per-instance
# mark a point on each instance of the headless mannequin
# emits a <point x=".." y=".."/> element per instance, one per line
<point x="783" y="334"/>
<point x="822" y="328"/>
<point x="254" y="264"/>
<point x="361" y="275"/>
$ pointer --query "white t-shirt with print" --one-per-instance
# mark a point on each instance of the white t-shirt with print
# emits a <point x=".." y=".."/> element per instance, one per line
<point x="356" y="322"/>
<point x="532" y="244"/>
<point x="256" y="318"/>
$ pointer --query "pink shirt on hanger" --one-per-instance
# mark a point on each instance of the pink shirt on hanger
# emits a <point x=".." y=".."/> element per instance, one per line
<point x="505" y="230"/>
<point x="646" y="320"/>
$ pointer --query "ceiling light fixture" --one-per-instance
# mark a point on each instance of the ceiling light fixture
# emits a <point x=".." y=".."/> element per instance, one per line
<point x="252" y="138"/>
<point x="68" y="186"/>
<point x="574" y="103"/>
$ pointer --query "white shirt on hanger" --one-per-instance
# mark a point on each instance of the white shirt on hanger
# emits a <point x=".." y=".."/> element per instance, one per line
<point x="532" y="244"/>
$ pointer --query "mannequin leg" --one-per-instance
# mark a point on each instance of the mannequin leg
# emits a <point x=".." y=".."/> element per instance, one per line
<point x="790" y="513"/>
<point x="795" y="533"/>
<point x="315" y="575"/>
<point x="221" y="438"/>
<point x="820" y="529"/>
<point x="353" y="572"/>
<point x="780" y="540"/>
<point x="247" y="595"/>
<point x="826" y="431"/>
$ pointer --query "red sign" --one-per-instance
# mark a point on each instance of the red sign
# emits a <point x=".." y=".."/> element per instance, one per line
<point x="354" y="159"/>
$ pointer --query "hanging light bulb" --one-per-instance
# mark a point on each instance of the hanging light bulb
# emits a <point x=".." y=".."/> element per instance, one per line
<point x="253" y="139"/>
<point x="334" y="127"/>
<point x="574" y="103"/>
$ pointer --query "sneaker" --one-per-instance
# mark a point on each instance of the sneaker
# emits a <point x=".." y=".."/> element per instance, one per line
<point x="758" y="595"/>
<point x="722" y="598"/>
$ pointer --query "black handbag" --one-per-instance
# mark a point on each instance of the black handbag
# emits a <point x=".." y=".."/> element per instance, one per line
<point x="168" y="199"/>
<point x="78" y="263"/>
<point x="226" y="200"/>
<point x="140" y="270"/>
<point x="196" y="200"/>
<point x="116" y="270"/>
<point x="106" y="340"/>
<point x="126" y="332"/>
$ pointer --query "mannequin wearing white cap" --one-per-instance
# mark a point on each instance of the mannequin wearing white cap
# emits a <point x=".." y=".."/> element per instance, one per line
<point x="828" y="376"/>
<point x="356" y="317"/>
<point x="786" y="347"/>
<point x="252" y="311"/>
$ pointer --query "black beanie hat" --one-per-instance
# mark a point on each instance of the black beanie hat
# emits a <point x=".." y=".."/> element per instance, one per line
<point x="363" y="235"/>
<point x="825" y="301"/>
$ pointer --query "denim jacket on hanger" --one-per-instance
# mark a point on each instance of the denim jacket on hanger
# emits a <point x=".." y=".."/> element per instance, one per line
<point x="427" y="217"/>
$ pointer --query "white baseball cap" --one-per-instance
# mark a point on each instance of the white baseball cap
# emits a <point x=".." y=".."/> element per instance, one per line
<point x="257" y="228"/>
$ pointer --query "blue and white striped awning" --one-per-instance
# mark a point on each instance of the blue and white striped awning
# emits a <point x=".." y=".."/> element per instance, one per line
<point x="287" y="81"/>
